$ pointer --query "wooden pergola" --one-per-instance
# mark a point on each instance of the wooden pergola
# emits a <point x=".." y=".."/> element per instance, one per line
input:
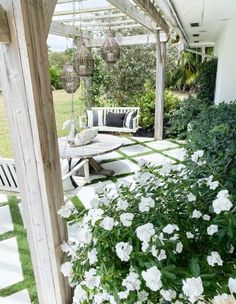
<point x="24" y="69"/>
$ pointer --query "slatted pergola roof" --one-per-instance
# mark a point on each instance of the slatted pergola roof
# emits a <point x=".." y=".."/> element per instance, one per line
<point x="93" y="18"/>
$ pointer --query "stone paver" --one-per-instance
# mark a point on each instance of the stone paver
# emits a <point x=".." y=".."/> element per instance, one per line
<point x="127" y="141"/>
<point x="107" y="156"/>
<point x="6" y="224"/>
<point x="162" y="145"/>
<point x="10" y="266"/>
<point x="88" y="193"/>
<point x="21" y="297"/>
<point x="3" y="198"/>
<point x="136" y="149"/>
<point x="143" y="139"/>
<point x="156" y="158"/>
<point x="176" y="153"/>
<point x="121" y="166"/>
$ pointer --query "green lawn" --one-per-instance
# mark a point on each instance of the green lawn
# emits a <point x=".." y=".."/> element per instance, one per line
<point x="62" y="105"/>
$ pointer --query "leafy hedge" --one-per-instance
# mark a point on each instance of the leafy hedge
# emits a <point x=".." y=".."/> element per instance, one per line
<point x="214" y="131"/>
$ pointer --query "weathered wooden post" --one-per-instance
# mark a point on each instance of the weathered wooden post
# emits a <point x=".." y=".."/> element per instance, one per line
<point x="160" y="87"/>
<point x="28" y="100"/>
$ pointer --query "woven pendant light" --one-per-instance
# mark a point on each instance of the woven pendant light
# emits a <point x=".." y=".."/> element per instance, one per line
<point x="69" y="79"/>
<point x="84" y="63"/>
<point x="110" y="49"/>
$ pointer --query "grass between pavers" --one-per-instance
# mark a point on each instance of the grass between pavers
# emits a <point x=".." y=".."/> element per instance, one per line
<point x="24" y="253"/>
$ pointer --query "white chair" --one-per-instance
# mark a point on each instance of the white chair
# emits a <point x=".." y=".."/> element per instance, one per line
<point x="71" y="185"/>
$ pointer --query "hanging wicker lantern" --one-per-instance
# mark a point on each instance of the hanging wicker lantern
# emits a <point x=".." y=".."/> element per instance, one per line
<point x="110" y="49"/>
<point x="69" y="79"/>
<point x="84" y="63"/>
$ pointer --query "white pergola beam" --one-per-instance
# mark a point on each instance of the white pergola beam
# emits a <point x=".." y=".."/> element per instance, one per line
<point x="103" y="24"/>
<point x="93" y="17"/>
<point x="133" y="12"/>
<point x="68" y="1"/>
<point x="148" y="7"/>
<point x="131" y="40"/>
<point x="114" y="28"/>
<point x="85" y="11"/>
<point x="66" y="30"/>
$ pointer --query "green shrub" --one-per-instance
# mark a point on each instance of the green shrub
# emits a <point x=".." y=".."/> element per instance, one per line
<point x="214" y="131"/>
<point x="177" y="121"/>
<point x="55" y="75"/>
<point x="206" y="80"/>
<point x="166" y="237"/>
<point x="146" y="102"/>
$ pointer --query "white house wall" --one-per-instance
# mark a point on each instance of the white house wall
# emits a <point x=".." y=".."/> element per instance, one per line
<point x="225" y="50"/>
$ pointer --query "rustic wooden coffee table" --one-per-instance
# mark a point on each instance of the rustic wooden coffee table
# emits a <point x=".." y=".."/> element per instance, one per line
<point x="101" y="144"/>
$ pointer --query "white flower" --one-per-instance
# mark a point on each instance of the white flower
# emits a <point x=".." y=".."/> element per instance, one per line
<point x="212" y="184"/>
<point x="68" y="248"/>
<point x="161" y="256"/>
<point x="191" y="197"/>
<point x="222" y="202"/>
<point x="94" y="215"/>
<point x="206" y="217"/>
<point x="212" y="229"/>
<point x="122" y="204"/>
<point x="84" y="234"/>
<point x="189" y="235"/>
<point x="79" y="295"/>
<point x="179" y="247"/>
<point x="92" y="256"/>
<point x="232" y="285"/>
<point x="123" y="294"/>
<point x="132" y="282"/>
<point x="91" y="280"/>
<point x="223" y="299"/>
<point x="231" y="250"/>
<point x="170" y="228"/>
<point x="94" y="203"/>
<point x="108" y="223"/>
<point x="193" y="289"/>
<point x="143" y="296"/>
<point x="152" y="277"/>
<point x="66" y="269"/>
<point x="123" y="251"/>
<point x="143" y="178"/>
<point x="145" y="232"/>
<point x="196" y="214"/>
<point x="67" y="210"/>
<point x="168" y="294"/>
<point x="175" y="237"/>
<point x="196" y="155"/>
<point x="214" y="259"/>
<point x="144" y="246"/>
<point x="126" y="219"/>
<point x="145" y="204"/>
<point x="166" y="168"/>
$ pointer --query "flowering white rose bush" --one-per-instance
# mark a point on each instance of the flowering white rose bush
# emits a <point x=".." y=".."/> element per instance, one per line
<point x="167" y="238"/>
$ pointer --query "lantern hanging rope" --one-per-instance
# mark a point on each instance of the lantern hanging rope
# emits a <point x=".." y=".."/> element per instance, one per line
<point x="110" y="50"/>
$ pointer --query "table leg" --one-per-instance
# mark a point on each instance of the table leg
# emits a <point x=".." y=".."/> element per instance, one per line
<point x="96" y="168"/>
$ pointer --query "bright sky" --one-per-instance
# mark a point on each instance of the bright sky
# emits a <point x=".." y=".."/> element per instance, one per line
<point x="57" y="43"/>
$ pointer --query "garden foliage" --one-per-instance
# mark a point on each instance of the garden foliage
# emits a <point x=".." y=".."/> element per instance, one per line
<point x="168" y="236"/>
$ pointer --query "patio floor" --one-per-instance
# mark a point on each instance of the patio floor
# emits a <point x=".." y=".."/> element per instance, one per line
<point x="16" y="277"/>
